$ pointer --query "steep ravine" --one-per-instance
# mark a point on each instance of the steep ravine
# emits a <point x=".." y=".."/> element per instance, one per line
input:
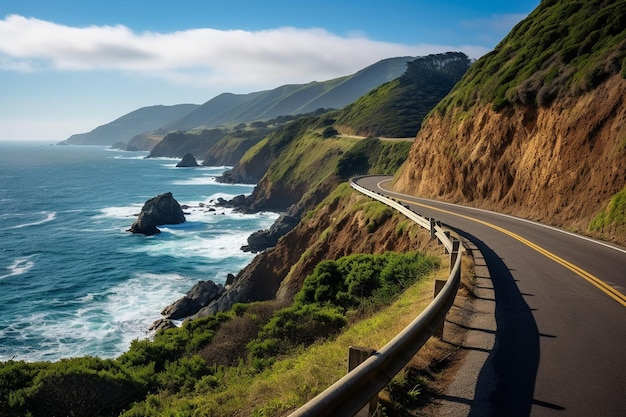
<point x="559" y="164"/>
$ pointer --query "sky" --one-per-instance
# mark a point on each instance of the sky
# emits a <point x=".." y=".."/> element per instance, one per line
<point x="67" y="67"/>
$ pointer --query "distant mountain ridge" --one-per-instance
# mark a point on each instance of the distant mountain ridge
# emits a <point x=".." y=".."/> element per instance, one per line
<point x="396" y="109"/>
<point x="227" y="108"/>
<point x="123" y="128"/>
<point x="292" y="99"/>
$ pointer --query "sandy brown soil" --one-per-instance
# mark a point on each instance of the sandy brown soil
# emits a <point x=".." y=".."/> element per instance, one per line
<point x="560" y="165"/>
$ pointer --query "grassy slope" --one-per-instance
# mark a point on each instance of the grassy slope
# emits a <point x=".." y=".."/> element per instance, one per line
<point x="563" y="47"/>
<point x="292" y="379"/>
<point x="397" y="108"/>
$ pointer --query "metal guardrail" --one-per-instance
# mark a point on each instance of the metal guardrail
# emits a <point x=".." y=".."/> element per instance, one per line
<point x="351" y="393"/>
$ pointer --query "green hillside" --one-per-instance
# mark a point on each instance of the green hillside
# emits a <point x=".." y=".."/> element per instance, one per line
<point x="564" y="47"/>
<point x="397" y="108"/>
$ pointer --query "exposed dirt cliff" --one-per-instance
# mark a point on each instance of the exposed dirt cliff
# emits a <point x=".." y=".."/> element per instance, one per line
<point x="346" y="223"/>
<point x="559" y="164"/>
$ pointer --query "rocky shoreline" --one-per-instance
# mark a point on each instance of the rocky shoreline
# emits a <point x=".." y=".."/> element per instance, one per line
<point x="206" y="298"/>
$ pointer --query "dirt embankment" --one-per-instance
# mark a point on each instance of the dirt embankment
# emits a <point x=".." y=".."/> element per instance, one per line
<point x="560" y="165"/>
<point x="335" y="230"/>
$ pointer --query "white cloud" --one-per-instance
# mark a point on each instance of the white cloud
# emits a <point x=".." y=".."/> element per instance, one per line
<point x="203" y="57"/>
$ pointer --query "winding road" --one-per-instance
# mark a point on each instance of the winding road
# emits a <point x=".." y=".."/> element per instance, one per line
<point x="560" y="314"/>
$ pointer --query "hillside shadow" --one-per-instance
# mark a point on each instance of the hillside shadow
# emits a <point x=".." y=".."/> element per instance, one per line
<point x="506" y="382"/>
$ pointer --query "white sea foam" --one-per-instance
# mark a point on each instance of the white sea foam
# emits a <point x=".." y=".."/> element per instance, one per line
<point x="213" y="248"/>
<point x="135" y="304"/>
<point x="130" y="157"/>
<point x="19" y="266"/>
<point x="102" y="328"/>
<point x="48" y="216"/>
<point x="119" y="212"/>
<point x="203" y="180"/>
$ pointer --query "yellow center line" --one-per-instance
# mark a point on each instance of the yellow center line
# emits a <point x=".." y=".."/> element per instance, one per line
<point x="598" y="283"/>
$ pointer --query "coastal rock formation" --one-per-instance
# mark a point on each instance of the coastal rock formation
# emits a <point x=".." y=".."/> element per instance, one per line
<point x="263" y="239"/>
<point x="188" y="161"/>
<point x="199" y="296"/>
<point x="160" y="210"/>
<point x="119" y="146"/>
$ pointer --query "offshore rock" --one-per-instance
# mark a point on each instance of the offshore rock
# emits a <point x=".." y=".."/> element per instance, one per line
<point x="199" y="296"/>
<point x="188" y="161"/>
<point x="236" y="202"/>
<point x="160" y="210"/>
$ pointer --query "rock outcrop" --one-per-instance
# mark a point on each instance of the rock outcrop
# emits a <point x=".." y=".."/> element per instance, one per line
<point x="119" y="146"/>
<point x="188" y="161"/>
<point x="199" y="296"/>
<point x="160" y="210"/>
<point x="263" y="239"/>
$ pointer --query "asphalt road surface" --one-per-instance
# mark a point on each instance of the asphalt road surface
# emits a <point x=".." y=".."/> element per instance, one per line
<point x="560" y="313"/>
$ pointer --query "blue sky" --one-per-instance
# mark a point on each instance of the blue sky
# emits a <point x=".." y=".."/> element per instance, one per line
<point x="69" y="66"/>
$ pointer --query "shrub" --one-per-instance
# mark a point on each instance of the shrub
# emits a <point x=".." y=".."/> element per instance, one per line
<point x="79" y="387"/>
<point x="301" y="324"/>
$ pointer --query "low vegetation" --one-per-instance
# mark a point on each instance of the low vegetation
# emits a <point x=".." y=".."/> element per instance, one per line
<point x="211" y="366"/>
<point x="372" y="155"/>
<point x="612" y="219"/>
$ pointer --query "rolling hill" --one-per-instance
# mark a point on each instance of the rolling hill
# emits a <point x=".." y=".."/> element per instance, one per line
<point x="123" y="128"/>
<point x="228" y="108"/>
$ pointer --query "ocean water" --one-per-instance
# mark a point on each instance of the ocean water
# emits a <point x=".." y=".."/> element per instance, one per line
<point x="73" y="282"/>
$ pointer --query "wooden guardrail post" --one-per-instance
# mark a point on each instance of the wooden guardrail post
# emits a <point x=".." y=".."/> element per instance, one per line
<point x="454" y="253"/>
<point x="356" y="356"/>
<point x="432" y="228"/>
<point x="439" y="283"/>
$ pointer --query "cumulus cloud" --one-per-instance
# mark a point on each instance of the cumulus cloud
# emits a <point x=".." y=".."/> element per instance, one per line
<point x="198" y="56"/>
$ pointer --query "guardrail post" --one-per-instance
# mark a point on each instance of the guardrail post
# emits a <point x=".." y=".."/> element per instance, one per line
<point x="432" y="228"/>
<point x="454" y="253"/>
<point x="445" y="249"/>
<point x="356" y="356"/>
<point x="439" y="283"/>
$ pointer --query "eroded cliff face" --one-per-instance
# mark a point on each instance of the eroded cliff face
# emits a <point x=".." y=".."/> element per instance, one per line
<point x="559" y="164"/>
<point x="339" y="227"/>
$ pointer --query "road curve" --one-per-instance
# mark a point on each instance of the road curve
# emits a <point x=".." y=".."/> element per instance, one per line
<point x="560" y="312"/>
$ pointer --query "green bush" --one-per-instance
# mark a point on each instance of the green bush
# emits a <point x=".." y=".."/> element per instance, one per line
<point x="330" y="291"/>
<point x="78" y="387"/>
<point x="301" y="324"/>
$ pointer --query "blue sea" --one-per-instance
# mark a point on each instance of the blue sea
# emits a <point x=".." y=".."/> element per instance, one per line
<point x="73" y="282"/>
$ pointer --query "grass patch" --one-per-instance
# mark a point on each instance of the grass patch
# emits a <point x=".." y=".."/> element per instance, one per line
<point x="613" y="216"/>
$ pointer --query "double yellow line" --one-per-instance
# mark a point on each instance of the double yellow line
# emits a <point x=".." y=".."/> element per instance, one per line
<point x="598" y="283"/>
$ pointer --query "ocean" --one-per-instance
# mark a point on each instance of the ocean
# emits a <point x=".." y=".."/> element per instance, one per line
<point x="73" y="281"/>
